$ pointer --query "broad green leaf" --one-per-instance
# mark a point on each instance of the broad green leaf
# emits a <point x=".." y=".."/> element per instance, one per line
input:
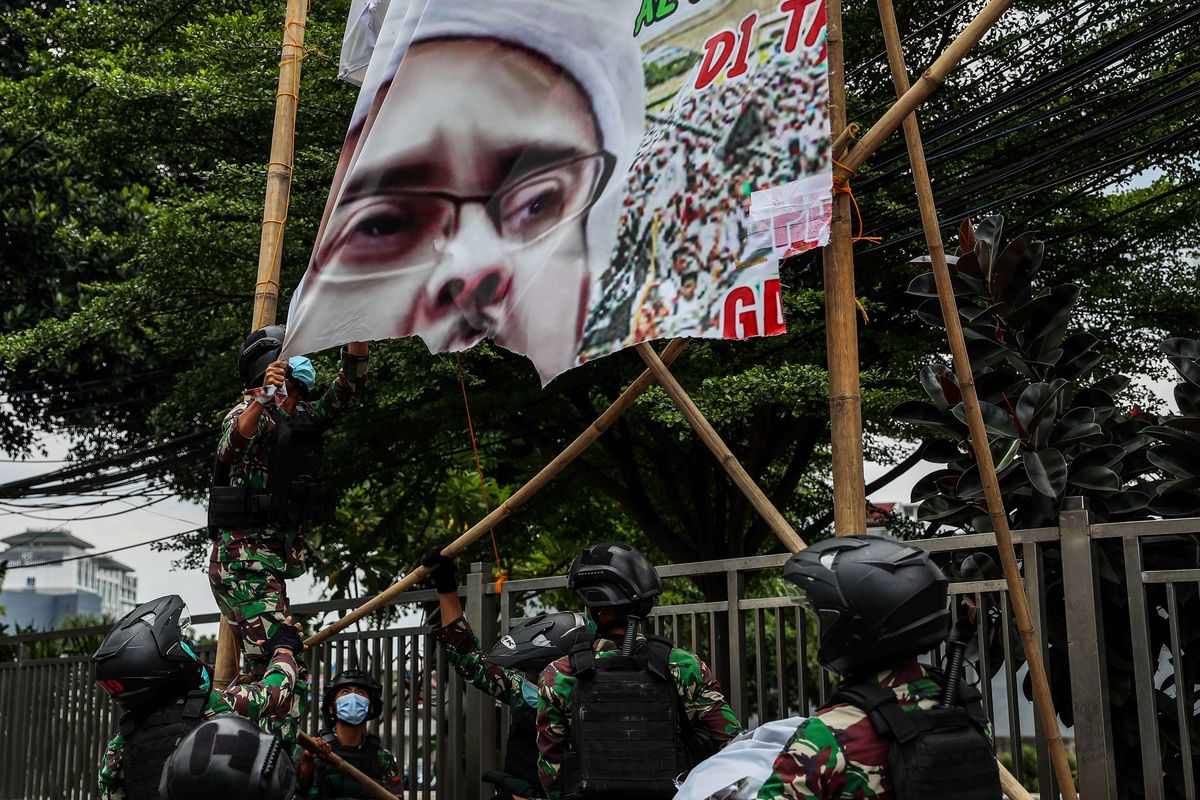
<point x="1096" y="478"/>
<point x="996" y="421"/>
<point x="1047" y="471"/>
<point x="1181" y="462"/>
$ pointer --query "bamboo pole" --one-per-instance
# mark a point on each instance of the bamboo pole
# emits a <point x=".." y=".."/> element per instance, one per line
<point x="279" y="171"/>
<point x="759" y="501"/>
<point x="925" y="86"/>
<point x="979" y="439"/>
<point x="1011" y="786"/>
<point x="841" y="318"/>
<point x="346" y="768"/>
<point x="844" y="139"/>
<point x="515" y="501"/>
<point x="279" y="188"/>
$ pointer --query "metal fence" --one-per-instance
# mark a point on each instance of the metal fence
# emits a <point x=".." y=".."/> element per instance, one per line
<point x="54" y="721"/>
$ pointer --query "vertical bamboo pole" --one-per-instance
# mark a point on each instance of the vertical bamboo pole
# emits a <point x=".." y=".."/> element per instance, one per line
<point x="979" y="439"/>
<point x="279" y="189"/>
<point x="841" y="319"/>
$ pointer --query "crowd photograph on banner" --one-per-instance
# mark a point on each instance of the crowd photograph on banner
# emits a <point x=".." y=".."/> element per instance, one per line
<point x="541" y="176"/>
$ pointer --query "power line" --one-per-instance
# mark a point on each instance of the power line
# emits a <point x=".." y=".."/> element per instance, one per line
<point x="12" y="566"/>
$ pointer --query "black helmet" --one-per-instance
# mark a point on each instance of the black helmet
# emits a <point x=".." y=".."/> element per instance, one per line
<point x="145" y="658"/>
<point x="259" y="351"/>
<point x="607" y="575"/>
<point x="351" y="677"/>
<point x="229" y="756"/>
<point x="878" y="600"/>
<point x="537" y="642"/>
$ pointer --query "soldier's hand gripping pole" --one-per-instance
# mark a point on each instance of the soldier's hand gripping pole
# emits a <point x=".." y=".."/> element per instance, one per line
<point x="344" y="767"/>
<point x="518" y="498"/>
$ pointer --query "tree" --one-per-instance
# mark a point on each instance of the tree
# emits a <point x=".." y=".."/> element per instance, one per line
<point x="132" y="280"/>
<point x="1055" y="431"/>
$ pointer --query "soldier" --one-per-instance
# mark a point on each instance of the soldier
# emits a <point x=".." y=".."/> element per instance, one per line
<point x="627" y="721"/>
<point x="349" y="702"/>
<point x="149" y="667"/>
<point x="509" y="672"/>
<point x="227" y="757"/>
<point x="884" y="734"/>
<point x="267" y="482"/>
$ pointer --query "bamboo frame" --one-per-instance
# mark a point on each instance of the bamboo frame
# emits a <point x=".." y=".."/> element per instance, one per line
<point x="515" y="501"/>
<point x="841" y="318"/>
<point x="979" y="439"/>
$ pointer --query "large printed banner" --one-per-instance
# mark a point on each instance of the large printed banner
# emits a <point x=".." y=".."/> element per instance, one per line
<point x="571" y="177"/>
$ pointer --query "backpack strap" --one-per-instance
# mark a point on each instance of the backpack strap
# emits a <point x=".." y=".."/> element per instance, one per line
<point x="583" y="659"/>
<point x="658" y="656"/>
<point x="881" y="707"/>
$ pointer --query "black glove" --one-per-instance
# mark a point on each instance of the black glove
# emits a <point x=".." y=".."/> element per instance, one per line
<point x="286" y="638"/>
<point x="444" y="573"/>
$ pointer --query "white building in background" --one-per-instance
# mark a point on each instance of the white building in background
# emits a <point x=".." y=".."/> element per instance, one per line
<point x="47" y="587"/>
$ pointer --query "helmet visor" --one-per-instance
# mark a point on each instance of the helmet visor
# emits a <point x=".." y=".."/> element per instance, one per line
<point x="798" y="595"/>
<point x="185" y="622"/>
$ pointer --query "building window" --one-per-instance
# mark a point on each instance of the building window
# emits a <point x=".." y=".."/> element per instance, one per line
<point x="30" y="583"/>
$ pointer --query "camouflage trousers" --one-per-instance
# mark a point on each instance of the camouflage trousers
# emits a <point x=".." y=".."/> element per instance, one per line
<point x="247" y="572"/>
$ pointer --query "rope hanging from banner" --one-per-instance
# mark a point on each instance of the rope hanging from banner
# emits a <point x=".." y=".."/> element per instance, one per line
<point x="462" y="381"/>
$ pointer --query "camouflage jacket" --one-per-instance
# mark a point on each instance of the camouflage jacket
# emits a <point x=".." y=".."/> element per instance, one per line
<point x="247" y="457"/>
<point x="276" y="703"/>
<point x="338" y="785"/>
<point x="836" y="754"/>
<point x="703" y="702"/>
<point x="464" y="653"/>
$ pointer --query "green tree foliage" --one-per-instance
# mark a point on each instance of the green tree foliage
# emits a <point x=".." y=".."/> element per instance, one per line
<point x="133" y="142"/>
<point x="1055" y="431"/>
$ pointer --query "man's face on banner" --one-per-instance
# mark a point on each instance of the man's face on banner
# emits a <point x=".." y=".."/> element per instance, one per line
<point x="469" y="200"/>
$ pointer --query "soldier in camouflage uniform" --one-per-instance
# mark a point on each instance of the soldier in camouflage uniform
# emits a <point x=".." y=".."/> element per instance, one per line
<point x="508" y="673"/>
<point x="618" y="586"/>
<point x="250" y="563"/>
<point x="150" y="669"/>
<point x="880" y="603"/>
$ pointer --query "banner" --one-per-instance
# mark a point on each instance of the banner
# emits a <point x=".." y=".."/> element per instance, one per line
<point x="571" y="177"/>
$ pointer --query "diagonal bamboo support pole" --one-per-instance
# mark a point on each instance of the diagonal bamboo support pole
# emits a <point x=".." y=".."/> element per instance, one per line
<point x="760" y="502"/>
<point x="928" y="83"/>
<point x="515" y="501"/>
<point x="841" y="317"/>
<point x="979" y="439"/>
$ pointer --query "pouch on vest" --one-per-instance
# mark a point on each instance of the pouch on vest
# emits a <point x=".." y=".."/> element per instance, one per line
<point x="332" y="784"/>
<point x="935" y="754"/>
<point x="626" y="729"/>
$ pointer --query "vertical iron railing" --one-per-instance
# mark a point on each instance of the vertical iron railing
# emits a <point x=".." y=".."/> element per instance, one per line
<point x="54" y="720"/>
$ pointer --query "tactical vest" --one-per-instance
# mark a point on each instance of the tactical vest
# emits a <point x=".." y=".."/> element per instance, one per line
<point x="333" y="785"/>
<point x="151" y="738"/>
<point x="626" y="725"/>
<point x="293" y="495"/>
<point x="935" y="754"/>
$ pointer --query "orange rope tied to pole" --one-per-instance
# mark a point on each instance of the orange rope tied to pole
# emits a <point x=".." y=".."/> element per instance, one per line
<point x="462" y="381"/>
<point x="841" y="185"/>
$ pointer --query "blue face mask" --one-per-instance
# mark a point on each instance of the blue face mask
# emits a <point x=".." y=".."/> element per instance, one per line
<point x="591" y="623"/>
<point x="529" y="692"/>
<point x="352" y="709"/>
<point x="303" y="371"/>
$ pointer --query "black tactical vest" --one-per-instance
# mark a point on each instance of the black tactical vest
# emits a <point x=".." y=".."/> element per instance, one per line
<point x="626" y="725"/>
<point x="333" y="785"/>
<point x="935" y="754"/>
<point x="151" y="738"/>
<point x="294" y="494"/>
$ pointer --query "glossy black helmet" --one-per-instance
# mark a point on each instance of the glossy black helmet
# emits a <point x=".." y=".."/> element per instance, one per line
<point x="229" y="756"/>
<point x="877" y="599"/>
<point x="146" y="657"/>
<point x="537" y="642"/>
<point x="259" y="351"/>
<point x="351" y="677"/>
<point x="608" y="575"/>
